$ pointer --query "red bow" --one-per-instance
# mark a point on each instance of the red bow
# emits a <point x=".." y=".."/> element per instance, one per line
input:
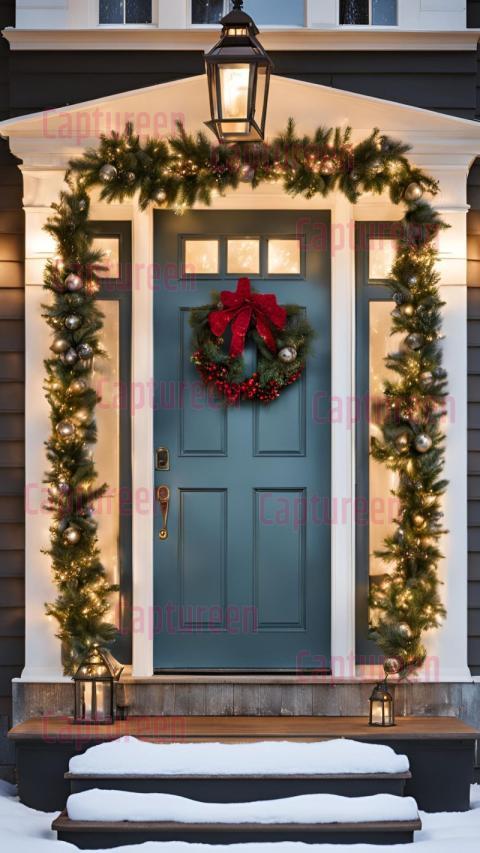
<point x="240" y="309"/>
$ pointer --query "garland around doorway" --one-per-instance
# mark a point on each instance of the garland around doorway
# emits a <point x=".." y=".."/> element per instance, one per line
<point x="177" y="174"/>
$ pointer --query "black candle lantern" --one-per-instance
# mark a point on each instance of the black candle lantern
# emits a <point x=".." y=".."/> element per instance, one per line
<point x="238" y="71"/>
<point x="382" y="709"/>
<point x="94" y="687"/>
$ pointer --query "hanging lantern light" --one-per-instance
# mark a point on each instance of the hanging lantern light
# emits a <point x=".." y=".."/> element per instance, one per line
<point x="94" y="687"/>
<point x="238" y="70"/>
<point x="382" y="711"/>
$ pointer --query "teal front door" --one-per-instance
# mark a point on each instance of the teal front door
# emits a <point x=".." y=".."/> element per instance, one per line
<point x="242" y="582"/>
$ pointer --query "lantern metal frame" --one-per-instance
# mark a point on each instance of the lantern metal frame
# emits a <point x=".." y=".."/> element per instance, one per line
<point x="96" y="659"/>
<point x="238" y="47"/>
<point x="382" y="695"/>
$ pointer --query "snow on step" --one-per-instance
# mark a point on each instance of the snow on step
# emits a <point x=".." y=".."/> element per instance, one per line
<point x="97" y="805"/>
<point x="129" y="756"/>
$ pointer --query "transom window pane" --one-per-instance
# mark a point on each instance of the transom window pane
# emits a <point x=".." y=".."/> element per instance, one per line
<point x="201" y="257"/>
<point x="381" y="257"/>
<point x="380" y="13"/>
<point x="279" y="12"/>
<point x="284" y="257"/>
<point x="243" y="257"/>
<point x="125" y="11"/>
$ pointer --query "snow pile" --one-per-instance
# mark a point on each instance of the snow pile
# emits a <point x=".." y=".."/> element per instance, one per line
<point x="99" y="805"/>
<point x="128" y="756"/>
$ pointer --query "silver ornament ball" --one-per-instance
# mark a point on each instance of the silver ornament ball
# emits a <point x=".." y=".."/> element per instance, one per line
<point x="423" y="443"/>
<point x="426" y="378"/>
<point x="287" y="354"/>
<point x="107" y="173"/>
<point x="159" y="196"/>
<point x="414" y="341"/>
<point x="392" y="666"/>
<point x="413" y="192"/>
<point x="131" y="177"/>
<point x="66" y="429"/>
<point x="85" y="351"/>
<point x="70" y="356"/>
<point x="405" y="630"/>
<point x="73" y="282"/>
<point x="72" y="536"/>
<point x="73" y="322"/>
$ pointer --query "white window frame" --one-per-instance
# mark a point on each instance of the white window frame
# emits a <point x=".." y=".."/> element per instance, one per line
<point x="370" y="16"/>
<point x="124" y="23"/>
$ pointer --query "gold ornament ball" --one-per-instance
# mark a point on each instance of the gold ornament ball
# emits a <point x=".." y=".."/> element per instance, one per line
<point x="328" y="166"/>
<point x="413" y="192"/>
<point x="402" y="442"/>
<point x="426" y="378"/>
<point x="60" y="345"/>
<point x="83" y="416"/>
<point x="78" y="386"/>
<point x="408" y="310"/>
<point x="159" y="196"/>
<point x="419" y="521"/>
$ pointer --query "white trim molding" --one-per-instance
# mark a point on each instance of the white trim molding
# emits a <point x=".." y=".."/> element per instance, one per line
<point x="443" y="144"/>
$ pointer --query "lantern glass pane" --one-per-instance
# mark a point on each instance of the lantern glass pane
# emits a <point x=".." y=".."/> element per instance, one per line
<point x="260" y="94"/>
<point x="84" y="700"/>
<point x="104" y="700"/>
<point x="377" y="712"/>
<point x="234" y="87"/>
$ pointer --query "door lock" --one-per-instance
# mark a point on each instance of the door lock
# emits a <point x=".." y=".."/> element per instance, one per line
<point x="162" y="459"/>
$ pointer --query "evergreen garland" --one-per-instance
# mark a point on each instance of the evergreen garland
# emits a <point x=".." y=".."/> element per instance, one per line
<point x="84" y="590"/>
<point x="177" y="174"/>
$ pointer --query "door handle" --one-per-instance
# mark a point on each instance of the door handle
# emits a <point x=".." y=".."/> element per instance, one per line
<point x="163" y="498"/>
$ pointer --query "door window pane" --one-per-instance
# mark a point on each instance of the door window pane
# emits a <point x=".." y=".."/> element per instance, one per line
<point x="243" y="257"/>
<point x="354" y="12"/>
<point x="201" y="257"/>
<point x="384" y="13"/>
<point x="125" y="11"/>
<point x="284" y="257"/>
<point x="277" y="12"/>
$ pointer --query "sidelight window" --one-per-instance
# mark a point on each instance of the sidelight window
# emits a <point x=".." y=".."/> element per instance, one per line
<point x="125" y="12"/>
<point x="378" y="13"/>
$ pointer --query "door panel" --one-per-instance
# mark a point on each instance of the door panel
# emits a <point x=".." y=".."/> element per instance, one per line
<point x="243" y="580"/>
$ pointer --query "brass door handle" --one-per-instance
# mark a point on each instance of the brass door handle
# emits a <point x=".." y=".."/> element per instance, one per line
<point x="163" y="498"/>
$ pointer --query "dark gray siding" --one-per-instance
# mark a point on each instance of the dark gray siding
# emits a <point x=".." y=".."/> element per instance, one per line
<point x="474" y="417"/>
<point x="473" y="13"/>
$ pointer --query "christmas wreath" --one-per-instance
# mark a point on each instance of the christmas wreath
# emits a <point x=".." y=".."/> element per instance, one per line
<point x="282" y="336"/>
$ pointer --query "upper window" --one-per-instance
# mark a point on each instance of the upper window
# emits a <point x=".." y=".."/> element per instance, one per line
<point x="125" y="11"/>
<point x="264" y="12"/>
<point x="378" y="13"/>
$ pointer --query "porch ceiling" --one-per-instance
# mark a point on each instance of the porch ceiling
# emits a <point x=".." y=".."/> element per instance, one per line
<point x="155" y="109"/>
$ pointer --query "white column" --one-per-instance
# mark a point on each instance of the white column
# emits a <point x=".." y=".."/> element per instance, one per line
<point x="142" y="440"/>
<point x="42" y="648"/>
<point x="343" y="450"/>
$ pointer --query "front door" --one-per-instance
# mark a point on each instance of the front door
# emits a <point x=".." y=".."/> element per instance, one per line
<point x="242" y="582"/>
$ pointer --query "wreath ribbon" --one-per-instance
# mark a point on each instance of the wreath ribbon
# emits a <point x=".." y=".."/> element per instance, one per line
<point x="242" y="308"/>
